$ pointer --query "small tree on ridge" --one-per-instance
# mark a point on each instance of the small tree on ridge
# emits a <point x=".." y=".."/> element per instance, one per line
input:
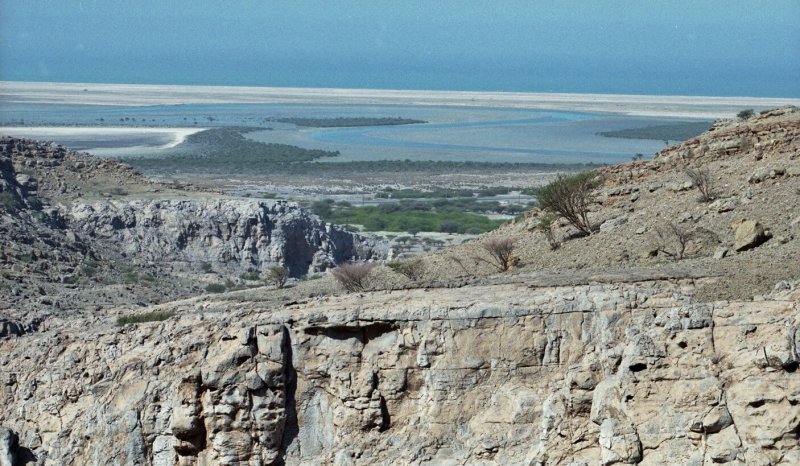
<point x="569" y="197"/>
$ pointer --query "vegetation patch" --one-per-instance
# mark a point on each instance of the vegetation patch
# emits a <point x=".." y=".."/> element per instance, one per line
<point x="407" y="216"/>
<point x="216" y="288"/>
<point x="226" y="150"/>
<point x="8" y="201"/>
<point x="141" y="318"/>
<point x="670" y="132"/>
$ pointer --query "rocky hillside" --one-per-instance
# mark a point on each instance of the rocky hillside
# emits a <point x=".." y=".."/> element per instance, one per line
<point x="749" y="225"/>
<point x="79" y="232"/>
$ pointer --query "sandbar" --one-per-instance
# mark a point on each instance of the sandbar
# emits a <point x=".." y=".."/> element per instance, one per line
<point x="705" y="107"/>
<point x="170" y="137"/>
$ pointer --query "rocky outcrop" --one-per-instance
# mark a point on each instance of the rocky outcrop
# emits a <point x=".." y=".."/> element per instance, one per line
<point x="496" y="374"/>
<point x="250" y="234"/>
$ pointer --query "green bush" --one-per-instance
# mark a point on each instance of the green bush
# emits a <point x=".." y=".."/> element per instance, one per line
<point x="141" y="318"/>
<point x="8" y="200"/>
<point x="569" y="196"/>
<point x="745" y="114"/>
<point x="216" y="288"/>
<point x="206" y="267"/>
<point x="252" y="276"/>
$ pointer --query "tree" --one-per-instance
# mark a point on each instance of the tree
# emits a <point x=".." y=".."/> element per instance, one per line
<point x="569" y="197"/>
<point x="277" y="275"/>
<point x="745" y="114"/>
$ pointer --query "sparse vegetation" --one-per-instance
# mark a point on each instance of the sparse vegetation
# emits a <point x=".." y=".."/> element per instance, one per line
<point x="745" y="114"/>
<point x="205" y="267"/>
<point x="703" y="181"/>
<point x="672" y="240"/>
<point x="353" y="276"/>
<point x="216" y="288"/>
<point x="156" y="316"/>
<point x="8" y="201"/>
<point x="500" y="253"/>
<point x="277" y="276"/>
<point x="569" y="197"/>
<point x="413" y="269"/>
<point x="251" y="275"/>
<point x="546" y="226"/>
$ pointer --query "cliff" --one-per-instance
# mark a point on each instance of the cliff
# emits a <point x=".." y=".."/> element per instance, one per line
<point x="493" y="374"/>
<point x="240" y="233"/>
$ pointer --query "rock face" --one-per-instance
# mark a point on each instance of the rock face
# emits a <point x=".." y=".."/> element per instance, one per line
<point x="496" y="374"/>
<point x="248" y="233"/>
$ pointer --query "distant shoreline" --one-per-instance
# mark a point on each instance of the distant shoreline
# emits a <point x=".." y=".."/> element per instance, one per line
<point x="130" y="95"/>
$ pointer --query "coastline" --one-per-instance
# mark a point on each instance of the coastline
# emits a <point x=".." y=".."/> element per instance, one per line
<point x="178" y="135"/>
<point x="131" y="95"/>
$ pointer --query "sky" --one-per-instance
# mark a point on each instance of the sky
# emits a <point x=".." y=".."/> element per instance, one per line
<point x="676" y="47"/>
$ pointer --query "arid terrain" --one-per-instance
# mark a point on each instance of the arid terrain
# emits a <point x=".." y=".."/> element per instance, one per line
<point x="670" y="335"/>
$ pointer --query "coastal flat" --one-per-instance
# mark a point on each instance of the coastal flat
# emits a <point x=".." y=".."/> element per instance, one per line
<point x="141" y="94"/>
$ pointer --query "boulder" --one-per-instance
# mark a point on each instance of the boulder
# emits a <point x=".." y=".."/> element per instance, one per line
<point x="749" y="234"/>
<point x="619" y="442"/>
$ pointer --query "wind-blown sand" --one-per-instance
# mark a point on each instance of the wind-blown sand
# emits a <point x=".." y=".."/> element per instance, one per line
<point x="141" y="94"/>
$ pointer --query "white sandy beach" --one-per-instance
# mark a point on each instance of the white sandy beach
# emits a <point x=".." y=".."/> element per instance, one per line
<point x="173" y="136"/>
<point x="142" y="95"/>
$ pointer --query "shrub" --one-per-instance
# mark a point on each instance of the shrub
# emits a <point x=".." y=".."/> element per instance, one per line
<point x="546" y="225"/>
<point x="205" y="267"/>
<point x="353" y="277"/>
<point x="277" y="275"/>
<point x="672" y="240"/>
<point x="216" y="288"/>
<point x="148" y="317"/>
<point x="500" y="251"/>
<point x="413" y="269"/>
<point x="703" y="181"/>
<point x="569" y="197"/>
<point x="745" y="114"/>
<point x="8" y="200"/>
<point x="252" y="276"/>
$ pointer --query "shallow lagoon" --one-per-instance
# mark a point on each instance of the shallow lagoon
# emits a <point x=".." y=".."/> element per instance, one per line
<point x="451" y="134"/>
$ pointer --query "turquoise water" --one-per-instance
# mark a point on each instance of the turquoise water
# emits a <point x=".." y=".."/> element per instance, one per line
<point x="451" y="134"/>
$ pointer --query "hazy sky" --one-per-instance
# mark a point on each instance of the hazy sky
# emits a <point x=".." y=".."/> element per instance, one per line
<point x="702" y="47"/>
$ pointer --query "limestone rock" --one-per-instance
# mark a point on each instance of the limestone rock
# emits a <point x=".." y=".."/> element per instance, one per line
<point x="620" y="443"/>
<point x="724" y="205"/>
<point x="248" y="233"/>
<point x="749" y="234"/>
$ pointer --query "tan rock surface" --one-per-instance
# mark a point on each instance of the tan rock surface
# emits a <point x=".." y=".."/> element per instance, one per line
<point x="495" y="374"/>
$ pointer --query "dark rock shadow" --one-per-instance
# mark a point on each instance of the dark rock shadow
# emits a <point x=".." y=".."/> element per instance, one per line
<point x="292" y="428"/>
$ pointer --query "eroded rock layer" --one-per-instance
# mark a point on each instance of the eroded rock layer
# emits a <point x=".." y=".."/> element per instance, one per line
<point x="495" y="374"/>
